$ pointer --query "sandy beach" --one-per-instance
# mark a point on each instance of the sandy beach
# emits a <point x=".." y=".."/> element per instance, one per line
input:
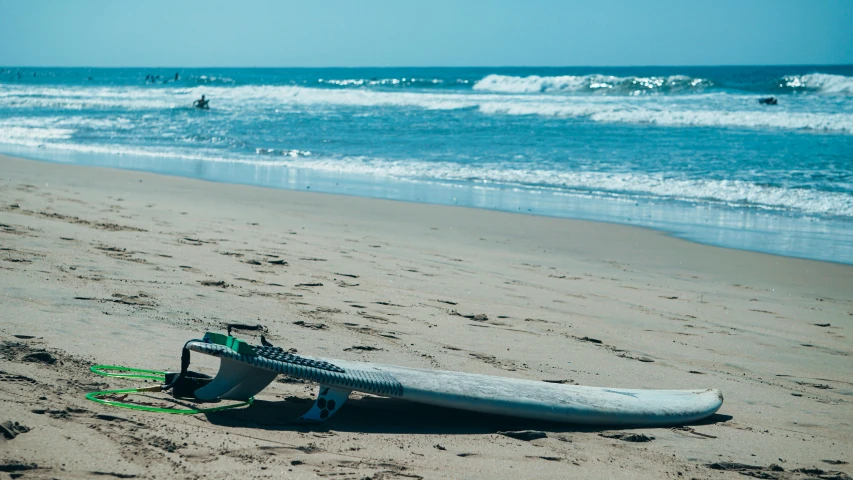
<point x="101" y="266"/>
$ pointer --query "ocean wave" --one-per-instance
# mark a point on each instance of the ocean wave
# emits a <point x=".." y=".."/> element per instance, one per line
<point x="662" y="111"/>
<point x="601" y="84"/>
<point x="678" y="116"/>
<point x="706" y="110"/>
<point x="33" y="131"/>
<point x="822" y="122"/>
<point x="210" y="80"/>
<point x="286" y="153"/>
<point x="732" y="193"/>
<point x="36" y="131"/>
<point x="93" y="98"/>
<point x="619" y="185"/>
<point x="395" y="82"/>
<point x="242" y="98"/>
<point x="819" y="82"/>
<point x="161" y="153"/>
<point x="32" y="136"/>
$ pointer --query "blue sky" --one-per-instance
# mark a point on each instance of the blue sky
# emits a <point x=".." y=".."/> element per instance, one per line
<point x="424" y="33"/>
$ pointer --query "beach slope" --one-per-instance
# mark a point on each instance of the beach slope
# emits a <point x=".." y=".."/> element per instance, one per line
<point x="101" y="266"/>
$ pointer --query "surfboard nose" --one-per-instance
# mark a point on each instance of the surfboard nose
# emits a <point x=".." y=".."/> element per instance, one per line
<point x="719" y="395"/>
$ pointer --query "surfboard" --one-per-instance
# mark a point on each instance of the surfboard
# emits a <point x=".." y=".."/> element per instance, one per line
<point x="245" y="370"/>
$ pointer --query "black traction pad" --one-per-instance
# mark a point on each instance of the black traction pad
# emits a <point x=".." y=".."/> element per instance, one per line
<point x="278" y="354"/>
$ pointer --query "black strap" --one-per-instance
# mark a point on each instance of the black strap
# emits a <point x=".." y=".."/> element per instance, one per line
<point x="185" y="383"/>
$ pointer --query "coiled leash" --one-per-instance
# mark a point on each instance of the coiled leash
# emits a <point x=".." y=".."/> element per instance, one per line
<point x="182" y="386"/>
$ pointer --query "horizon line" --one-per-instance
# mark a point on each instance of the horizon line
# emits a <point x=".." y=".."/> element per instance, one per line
<point x="444" y="66"/>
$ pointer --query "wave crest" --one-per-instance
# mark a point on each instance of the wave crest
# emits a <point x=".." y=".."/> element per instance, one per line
<point x="602" y="84"/>
<point x="211" y="80"/>
<point x="394" y="82"/>
<point x="819" y="82"/>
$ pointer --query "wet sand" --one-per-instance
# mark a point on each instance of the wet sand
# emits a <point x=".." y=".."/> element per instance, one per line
<point x="101" y="266"/>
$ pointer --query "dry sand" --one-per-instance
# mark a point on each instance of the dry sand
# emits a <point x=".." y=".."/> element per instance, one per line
<point x="108" y="266"/>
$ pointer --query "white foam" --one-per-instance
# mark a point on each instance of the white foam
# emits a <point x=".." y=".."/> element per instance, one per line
<point x="817" y="113"/>
<point x="32" y="132"/>
<point x="303" y="96"/>
<point x="698" y="110"/>
<point x="286" y="153"/>
<point x="204" y="79"/>
<point x="821" y="82"/>
<point x="533" y="84"/>
<point x="391" y="82"/>
<point x="84" y="98"/>
<point x="170" y="153"/>
<point x="628" y="186"/>
<point x="35" y="131"/>
<point x="731" y="193"/>
<point x="241" y="98"/>
<point x="32" y="136"/>
<point x="590" y="83"/>
<point x="824" y="122"/>
<point x="677" y="115"/>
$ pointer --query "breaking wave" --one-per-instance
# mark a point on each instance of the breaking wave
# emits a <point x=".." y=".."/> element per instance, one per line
<point x="677" y="116"/>
<point x="708" y="110"/>
<point x="400" y="82"/>
<point x="625" y="186"/>
<point x="733" y="193"/>
<point x="210" y="80"/>
<point x="602" y="84"/>
<point x="819" y="82"/>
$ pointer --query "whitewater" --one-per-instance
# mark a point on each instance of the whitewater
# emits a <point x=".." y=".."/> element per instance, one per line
<point x="688" y="150"/>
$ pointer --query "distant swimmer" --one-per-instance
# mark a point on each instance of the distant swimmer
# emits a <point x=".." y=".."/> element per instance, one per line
<point x="176" y="76"/>
<point x="768" y="101"/>
<point x="202" y="103"/>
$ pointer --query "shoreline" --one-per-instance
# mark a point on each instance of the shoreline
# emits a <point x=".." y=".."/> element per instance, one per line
<point x="109" y="266"/>
<point x="716" y="227"/>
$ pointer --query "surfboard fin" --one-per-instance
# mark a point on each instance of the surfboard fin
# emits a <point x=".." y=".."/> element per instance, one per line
<point x="329" y="401"/>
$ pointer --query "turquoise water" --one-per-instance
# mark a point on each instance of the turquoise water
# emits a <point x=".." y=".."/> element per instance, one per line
<point x="688" y="150"/>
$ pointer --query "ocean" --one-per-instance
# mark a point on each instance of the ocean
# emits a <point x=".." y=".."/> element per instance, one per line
<point x="686" y="150"/>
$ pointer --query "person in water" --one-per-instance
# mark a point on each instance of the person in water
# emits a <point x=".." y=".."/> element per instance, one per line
<point x="202" y="103"/>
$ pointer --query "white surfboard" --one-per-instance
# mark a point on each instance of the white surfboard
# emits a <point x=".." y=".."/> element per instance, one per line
<point x="246" y="370"/>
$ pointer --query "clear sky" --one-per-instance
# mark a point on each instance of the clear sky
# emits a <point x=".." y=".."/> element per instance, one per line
<point x="424" y="33"/>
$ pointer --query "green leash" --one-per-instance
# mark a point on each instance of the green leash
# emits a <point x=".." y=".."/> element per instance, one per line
<point x="135" y="372"/>
<point x="141" y="374"/>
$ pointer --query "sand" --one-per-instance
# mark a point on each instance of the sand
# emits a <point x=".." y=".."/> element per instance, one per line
<point x="120" y="267"/>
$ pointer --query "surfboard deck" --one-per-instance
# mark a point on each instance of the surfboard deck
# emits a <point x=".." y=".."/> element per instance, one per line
<point x="243" y="373"/>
